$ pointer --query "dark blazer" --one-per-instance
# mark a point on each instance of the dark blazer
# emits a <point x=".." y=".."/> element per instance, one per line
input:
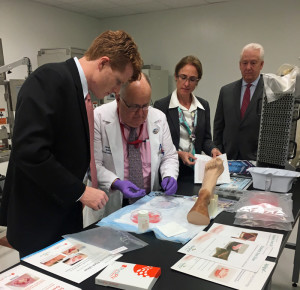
<point x="49" y="159"/>
<point x="203" y="140"/>
<point x="233" y="136"/>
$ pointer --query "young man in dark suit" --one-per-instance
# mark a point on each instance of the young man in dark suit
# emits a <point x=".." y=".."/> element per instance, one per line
<point x="44" y="191"/>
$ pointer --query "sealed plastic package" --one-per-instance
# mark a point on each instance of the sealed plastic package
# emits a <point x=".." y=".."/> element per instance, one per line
<point x="265" y="209"/>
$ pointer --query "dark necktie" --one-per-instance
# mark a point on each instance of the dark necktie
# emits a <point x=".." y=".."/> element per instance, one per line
<point x="246" y="100"/>
<point x="135" y="161"/>
<point x="90" y="114"/>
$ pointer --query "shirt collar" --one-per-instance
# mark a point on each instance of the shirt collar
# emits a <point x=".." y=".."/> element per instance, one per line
<point x="174" y="103"/>
<point x="253" y="83"/>
<point x="82" y="77"/>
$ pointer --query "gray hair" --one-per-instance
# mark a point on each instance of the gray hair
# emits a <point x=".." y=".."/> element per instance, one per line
<point x="125" y="85"/>
<point x="254" y="46"/>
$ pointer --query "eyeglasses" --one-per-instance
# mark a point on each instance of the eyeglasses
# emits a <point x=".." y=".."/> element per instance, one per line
<point x="135" y="108"/>
<point x="186" y="78"/>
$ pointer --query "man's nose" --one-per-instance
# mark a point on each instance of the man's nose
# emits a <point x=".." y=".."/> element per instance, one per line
<point x="248" y="65"/>
<point x="140" y="112"/>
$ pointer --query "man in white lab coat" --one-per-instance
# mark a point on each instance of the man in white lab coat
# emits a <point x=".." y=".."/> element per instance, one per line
<point x="158" y="154"/>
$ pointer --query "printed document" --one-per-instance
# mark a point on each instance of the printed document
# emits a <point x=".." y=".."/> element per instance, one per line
<point x="265" y="238"/>
<point x="225" y="275"/>
<point x="21" y="277"/>
<point x="71" y="259"/>
<point x="227" y="251"/>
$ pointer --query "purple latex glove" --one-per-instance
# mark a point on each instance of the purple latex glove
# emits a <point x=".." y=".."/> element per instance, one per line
<point x="169" y="185"/>
<point x="128" y="189"/>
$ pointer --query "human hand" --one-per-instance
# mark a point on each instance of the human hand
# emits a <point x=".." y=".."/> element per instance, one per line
<point x="215" y="152"/>
<point x="128" y="189"/>
<point x="186" y="158"/>
<point x="169" y="185"/>
<point x="94" y="198"/>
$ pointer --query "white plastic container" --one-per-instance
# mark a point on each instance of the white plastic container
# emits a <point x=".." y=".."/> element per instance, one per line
<point x="143" y="220"/>
<point x="272" y="179"/>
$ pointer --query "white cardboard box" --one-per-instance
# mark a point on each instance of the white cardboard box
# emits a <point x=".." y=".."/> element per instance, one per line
<point x="128" y="276"/>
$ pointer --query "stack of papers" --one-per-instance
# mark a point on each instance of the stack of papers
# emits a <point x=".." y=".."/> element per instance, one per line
<point x="231" y="256"/>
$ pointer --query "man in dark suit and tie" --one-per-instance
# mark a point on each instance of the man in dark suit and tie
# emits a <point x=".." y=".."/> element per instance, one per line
<point x="237" y="118"/>
<point x="44" y="191"/>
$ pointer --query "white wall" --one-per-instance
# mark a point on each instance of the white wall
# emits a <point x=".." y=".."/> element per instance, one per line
<point x="26" y="27"/>
<point x="215" y="33"/>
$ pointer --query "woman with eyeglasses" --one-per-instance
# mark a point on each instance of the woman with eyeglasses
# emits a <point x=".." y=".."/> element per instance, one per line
<point x="188" y="116"/>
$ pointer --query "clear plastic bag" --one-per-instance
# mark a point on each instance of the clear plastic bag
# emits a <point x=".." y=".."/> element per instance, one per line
<point x="263" y="224"/>
<point x="266" y="207"/>
<point x="108" y="239"/>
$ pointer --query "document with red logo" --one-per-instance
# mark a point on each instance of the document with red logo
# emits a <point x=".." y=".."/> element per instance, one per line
<point x="128" y="276"/>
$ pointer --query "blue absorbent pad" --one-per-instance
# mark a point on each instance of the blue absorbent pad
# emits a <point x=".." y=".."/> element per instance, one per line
<point x="171" y="209"/>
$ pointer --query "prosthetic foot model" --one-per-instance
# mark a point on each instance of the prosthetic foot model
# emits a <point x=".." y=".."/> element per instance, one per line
<point x="198" y="215"/>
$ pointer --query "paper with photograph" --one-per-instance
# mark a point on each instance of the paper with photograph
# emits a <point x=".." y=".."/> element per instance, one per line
<point x="200" y="167"/>
<point x="238" y="183"/>
<point x="21" y="277"/>
<point x="239" y="167"/>
<point x="71" y="259"/>
<point x="227" y="251"/>
<point x="225" y="275"/>
<point x="265" y="238"/>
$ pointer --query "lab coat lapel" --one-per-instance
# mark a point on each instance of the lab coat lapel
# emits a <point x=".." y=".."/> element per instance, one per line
<point x="154" y="131"/>
<point x="114" y="135"/>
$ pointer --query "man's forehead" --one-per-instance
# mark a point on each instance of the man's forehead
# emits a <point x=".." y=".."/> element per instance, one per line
<point x="136" y="99"/>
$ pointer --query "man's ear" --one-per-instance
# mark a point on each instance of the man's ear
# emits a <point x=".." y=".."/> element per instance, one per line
<point x="102" y="62"/>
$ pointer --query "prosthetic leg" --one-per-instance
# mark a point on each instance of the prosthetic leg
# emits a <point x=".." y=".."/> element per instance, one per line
<point x="198" y="215"/>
